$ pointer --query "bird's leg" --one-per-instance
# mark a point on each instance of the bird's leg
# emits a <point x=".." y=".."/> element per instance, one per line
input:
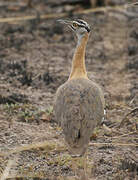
<point x="80" y="173"/>
<point x="85" y="157"/>
<point x="75" y="166"/>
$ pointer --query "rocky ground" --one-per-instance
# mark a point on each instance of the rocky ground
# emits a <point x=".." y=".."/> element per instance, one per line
<point x="35" y="59"/>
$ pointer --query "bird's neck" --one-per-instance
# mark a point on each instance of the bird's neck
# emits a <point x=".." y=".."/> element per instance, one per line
<point x="78" y="63"/>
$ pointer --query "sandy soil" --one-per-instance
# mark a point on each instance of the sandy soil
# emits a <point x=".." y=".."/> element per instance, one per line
<point x="35" y="59"/>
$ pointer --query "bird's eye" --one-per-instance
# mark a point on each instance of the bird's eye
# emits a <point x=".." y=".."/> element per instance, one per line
<point x="75" y="24"/>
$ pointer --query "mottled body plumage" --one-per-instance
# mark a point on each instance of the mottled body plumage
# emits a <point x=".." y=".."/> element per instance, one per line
<point x="79" y="108"/>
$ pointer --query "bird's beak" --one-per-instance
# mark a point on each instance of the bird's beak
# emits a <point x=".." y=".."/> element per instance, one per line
<point x="65" y="22"/>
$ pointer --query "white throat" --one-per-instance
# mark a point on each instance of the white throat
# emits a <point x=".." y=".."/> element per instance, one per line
<point x="79" y="36"/>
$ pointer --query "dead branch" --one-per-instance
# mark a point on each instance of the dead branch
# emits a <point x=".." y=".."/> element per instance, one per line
<point x="124" y="119"/>
<point x="117" y="137"/>
<point x="57" y="145"/>
<point x="114" y="144"/>
<point x="59" y="15"/>
<point x="27" y="147"/>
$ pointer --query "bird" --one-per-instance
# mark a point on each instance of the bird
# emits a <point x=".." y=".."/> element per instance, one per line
<point x="79" y="102"/>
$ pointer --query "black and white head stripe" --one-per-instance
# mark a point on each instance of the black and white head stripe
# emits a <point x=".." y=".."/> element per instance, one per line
<point x="76" y="24"/>
<point x="82" y="23"/>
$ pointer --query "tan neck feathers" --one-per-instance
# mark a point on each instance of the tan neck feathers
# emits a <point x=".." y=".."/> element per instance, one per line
<point x="78" y="63"/>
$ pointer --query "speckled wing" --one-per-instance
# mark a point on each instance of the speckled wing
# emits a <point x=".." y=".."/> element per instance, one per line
<point x="79" y="107"/>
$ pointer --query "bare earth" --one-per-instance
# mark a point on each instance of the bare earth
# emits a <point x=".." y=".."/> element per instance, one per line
<point x="35" y="59"/>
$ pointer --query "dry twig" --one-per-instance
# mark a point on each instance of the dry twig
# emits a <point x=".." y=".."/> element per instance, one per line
<point x="117" y="137"/>
<point x="124" y="119"/>
<point x="47" y="143"/>
<point x="59" y="15"/>
<point x="114" y="144"/>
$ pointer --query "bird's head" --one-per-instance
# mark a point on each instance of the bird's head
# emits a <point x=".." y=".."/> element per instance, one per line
<point x="80" y="27"/>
